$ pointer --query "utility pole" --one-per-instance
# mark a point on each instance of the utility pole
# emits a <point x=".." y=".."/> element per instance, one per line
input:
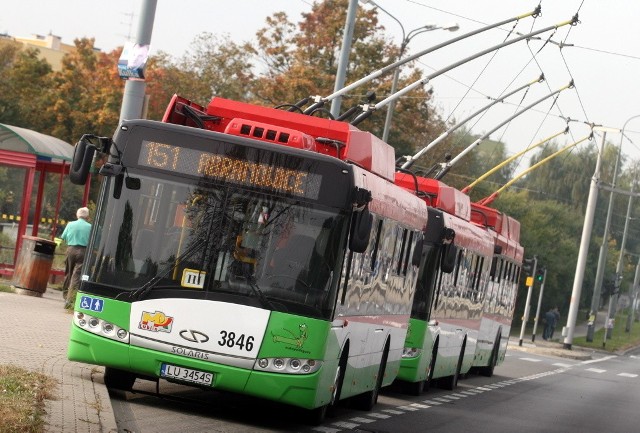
<point x="528" y="264"/>
<point x="344" y="55"/>
<point x="613" y="298"/>
<point x="634" y="298"/>
<point x="133" y="98"/>
<point x="584" y="249"/>
<point x="602" y="257"/>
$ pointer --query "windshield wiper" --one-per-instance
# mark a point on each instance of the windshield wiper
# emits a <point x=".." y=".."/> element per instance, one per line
<point x="141" y="292"/>
<point x="259" y="293"/>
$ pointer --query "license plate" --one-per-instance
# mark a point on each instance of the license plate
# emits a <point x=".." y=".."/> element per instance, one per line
<point x="186" y="374"/>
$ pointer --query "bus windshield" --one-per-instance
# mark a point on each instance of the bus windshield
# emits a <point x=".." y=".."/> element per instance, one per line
<point x="194" y="240"/>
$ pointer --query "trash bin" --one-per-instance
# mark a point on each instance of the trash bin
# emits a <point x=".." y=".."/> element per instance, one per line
<point x="31" y="272"/>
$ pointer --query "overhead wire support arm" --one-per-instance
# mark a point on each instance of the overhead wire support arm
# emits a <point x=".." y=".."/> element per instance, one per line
<point x="488" y="200"/>
<point x="409" y="162"/>
<point x="469" y="187"/>
<point x="367" y="111"/>
<point x="319" y="101"/>
<point x="445" y="169"/>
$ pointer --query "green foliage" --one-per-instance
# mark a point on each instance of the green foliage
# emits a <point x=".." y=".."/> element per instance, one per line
<point x="620" y="339"/>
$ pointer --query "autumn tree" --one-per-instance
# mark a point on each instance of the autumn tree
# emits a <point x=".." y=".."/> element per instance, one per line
<point x="301" y="60"/>
<point x="212" y="66"/>
<point x="87" y="93"/>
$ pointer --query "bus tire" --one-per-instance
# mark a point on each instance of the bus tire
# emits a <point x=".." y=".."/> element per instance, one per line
<point x="118" y="379"/>
<point x="451" y="382"/>
<point x="432" y="366"/>
<point x="417" y="388"/>
<point x="493" y="361"/>
<point x="319" y="414"/>
<point x="369" y="399"/>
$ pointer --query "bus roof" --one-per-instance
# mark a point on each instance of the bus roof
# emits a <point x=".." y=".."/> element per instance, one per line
<point x="331" y="137"/>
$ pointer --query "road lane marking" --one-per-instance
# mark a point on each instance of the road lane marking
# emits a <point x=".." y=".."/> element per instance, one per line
<point x="595" y="370"/>
<point x="591" y="361"/>
<point x="410" y="408"/>
<point x="531" y="359"/>
<point x="383" y="416"/>
<point x="324" y="429"/>
<point x="627" y="375"/>
<point x="344" y="424"/>
<point x="362" y="420"/>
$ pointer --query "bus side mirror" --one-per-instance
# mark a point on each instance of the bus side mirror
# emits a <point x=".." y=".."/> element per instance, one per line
<point x="360" y="231"/>
<point x="448" y="262"/>
<point x="81" y="163"/>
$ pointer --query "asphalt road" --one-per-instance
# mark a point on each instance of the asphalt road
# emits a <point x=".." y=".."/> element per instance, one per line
<point x="528" y="393"/>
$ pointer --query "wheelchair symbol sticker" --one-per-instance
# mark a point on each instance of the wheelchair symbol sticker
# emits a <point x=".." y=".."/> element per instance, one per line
<point x="93" y="304"/>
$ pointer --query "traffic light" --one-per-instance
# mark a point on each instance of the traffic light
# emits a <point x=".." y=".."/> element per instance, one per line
<point x="540" y="275"/>
<point x="528" y="265"/>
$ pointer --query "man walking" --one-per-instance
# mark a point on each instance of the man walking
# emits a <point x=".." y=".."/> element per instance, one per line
<point x="76" y="235"/>
<point x="551" y="320"/>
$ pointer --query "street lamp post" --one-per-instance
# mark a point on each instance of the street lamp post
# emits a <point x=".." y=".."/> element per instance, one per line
<point x="406" y="37"/>
<point x="396" y="74"/>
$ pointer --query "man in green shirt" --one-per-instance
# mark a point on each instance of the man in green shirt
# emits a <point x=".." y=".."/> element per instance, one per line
<point x="76" y="235"/>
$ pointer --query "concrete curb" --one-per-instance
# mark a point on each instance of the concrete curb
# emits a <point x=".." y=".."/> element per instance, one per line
<point x="35" y="336"/>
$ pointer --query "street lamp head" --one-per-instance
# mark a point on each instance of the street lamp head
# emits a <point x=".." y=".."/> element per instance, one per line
<point x="454" y="27"/>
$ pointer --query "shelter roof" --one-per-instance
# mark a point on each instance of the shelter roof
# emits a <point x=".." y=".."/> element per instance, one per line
<point x="45" y="147"/>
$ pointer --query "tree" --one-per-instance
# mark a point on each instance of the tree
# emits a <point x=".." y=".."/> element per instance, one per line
<point x="303" y="61"/>
<point x="87" y="93"/>
<point x="551" y="231"/>
<point x="214" y="66"/>
<point x="26" y="81"/>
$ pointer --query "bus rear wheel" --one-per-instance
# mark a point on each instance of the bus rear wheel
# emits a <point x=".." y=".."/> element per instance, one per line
<point x="118" y="379"/>
<point x="493" y="361"/>
<point x="417" y="388"/>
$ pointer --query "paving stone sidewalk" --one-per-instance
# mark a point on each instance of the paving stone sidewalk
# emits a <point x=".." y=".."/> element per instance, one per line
<point x="35" y="335"/>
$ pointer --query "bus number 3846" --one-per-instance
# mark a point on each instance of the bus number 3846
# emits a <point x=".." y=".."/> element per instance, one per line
<point x="230" y="339"/>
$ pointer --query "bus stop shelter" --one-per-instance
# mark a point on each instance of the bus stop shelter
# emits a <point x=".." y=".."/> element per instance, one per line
<point x="38" y="154"/>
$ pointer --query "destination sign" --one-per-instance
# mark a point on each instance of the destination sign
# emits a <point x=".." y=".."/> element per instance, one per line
<point x="223" y="167"/>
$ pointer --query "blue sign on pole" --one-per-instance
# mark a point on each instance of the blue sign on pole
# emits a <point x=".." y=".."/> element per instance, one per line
<point x="133" y="61"/>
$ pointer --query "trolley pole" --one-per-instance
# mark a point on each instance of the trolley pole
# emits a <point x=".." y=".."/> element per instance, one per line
<point x="529" y="284"/>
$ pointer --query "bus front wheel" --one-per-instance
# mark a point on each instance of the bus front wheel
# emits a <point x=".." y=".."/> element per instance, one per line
<point x="318" y="415"/>
<point x="118" y="379"/>
<point x="369" y="399"/>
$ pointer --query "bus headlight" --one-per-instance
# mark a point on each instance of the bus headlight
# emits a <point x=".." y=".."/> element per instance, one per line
<point x="100" y="327"/>
<point x="411" y="352"/>
<point x="288" y="365"/>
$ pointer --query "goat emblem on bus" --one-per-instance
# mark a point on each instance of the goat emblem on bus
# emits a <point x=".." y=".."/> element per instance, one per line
<point x="155" y="322"/>
<point x="295" y="340"/>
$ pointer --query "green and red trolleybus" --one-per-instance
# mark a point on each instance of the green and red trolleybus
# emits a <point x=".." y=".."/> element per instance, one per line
<point x="248" y="249"/>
